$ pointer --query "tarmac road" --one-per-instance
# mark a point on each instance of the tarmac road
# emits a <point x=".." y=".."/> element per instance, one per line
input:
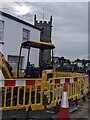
<point x="81" y="113"/>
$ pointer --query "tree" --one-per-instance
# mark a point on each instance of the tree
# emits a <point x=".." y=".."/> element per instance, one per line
<point x="61" y="61"/>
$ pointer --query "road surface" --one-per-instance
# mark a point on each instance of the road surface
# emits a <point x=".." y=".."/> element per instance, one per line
<point x="81" y="113"/>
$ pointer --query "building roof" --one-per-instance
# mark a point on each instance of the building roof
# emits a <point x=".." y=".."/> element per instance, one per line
<point x="18" y="20"/>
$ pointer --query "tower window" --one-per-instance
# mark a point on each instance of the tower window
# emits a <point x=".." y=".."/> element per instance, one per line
<point x="26" y="34"/>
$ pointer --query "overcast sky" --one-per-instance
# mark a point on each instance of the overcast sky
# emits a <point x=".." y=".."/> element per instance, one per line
<point x="70" y="24"/>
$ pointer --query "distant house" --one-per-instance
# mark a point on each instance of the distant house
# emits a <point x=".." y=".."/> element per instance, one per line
<point x="14" y="31"/>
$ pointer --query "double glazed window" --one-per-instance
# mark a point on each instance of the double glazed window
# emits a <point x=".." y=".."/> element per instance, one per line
<point x="26" y="34"/>
<point x="1" y="30"/>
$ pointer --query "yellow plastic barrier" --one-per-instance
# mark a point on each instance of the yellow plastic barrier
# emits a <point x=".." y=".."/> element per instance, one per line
<point x="77" y="88"/>
<point x="67" y="74"/>
<point x="85" y="84"/>
<point x="39" y="93"/>
<point x="21" y="93"/>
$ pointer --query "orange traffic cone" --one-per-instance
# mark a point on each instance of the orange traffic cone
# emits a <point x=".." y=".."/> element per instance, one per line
<point x="64" y="107"/>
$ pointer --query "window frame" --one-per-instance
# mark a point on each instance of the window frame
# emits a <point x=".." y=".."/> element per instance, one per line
<point x="27" y="37"/>
<point x="2" y="33"/>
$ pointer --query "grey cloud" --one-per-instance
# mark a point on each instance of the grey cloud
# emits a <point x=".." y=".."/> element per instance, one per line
<point x="67" y="17"/>
<point x="70" y="25"/>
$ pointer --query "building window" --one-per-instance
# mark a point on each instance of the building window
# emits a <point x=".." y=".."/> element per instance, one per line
<point x="1" y="30"/>
<point x="13" y="61"/>
<point x="26" y="34"/>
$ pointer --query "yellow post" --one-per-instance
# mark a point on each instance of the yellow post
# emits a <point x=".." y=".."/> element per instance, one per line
<point x="18" y="94"/>
<point x="5" y="94"/>
<point x="11" y="96"/>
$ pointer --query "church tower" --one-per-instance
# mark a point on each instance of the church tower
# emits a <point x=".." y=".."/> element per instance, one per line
<point x="46" y="27"/>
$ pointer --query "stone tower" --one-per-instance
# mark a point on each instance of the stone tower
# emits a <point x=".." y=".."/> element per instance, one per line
<point x="46" y="27"/>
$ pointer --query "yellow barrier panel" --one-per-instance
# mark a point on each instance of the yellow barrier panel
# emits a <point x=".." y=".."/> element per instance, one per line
<point x="85" y="84"/>
<point x="17" y="94"/>
<point x="77" y="88"/>
<point x="31" y="93"/>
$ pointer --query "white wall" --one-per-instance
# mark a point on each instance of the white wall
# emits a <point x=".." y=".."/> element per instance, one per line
<point x="1" y="47"/>
<point x="13" y="35"/>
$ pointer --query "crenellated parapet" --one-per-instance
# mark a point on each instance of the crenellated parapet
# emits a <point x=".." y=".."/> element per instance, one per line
<point x="45" y="23"/>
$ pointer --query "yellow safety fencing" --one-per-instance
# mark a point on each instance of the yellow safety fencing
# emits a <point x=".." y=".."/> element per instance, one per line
<point x="22" y="93"/>
<point x="77" y="88"/>
<point x="67" y="74"/>
<point x="36" y="94"/>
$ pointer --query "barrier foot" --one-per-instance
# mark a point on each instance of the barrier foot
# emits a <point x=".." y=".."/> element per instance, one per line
<point x="76" y="101"/>
<point x="80" y="106"/>
<point x="27" y="112"/>
<point x="57" y="108"/>
<point x="27" y="117"/>
<point x="84" y="98"/>
<point x="13" y="118"/>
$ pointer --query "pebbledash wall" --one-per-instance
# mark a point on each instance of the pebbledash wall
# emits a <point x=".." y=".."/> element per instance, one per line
<point x="12" y="37"/>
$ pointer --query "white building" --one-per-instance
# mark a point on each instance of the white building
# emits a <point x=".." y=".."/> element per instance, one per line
<point x="13" y="31"/>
